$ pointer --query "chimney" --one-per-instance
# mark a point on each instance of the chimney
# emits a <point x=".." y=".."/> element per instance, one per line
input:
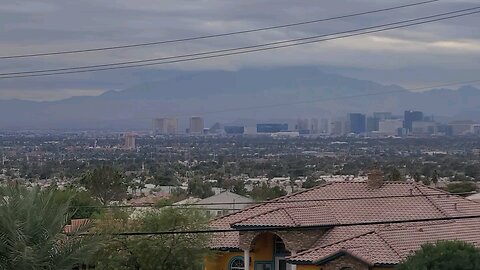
<point x="375" y="179"/>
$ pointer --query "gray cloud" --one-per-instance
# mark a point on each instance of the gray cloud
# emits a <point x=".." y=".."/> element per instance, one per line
<point x="443" y="49"/>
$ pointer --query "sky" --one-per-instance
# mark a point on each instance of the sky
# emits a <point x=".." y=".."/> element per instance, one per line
<point x="430" y="54"/>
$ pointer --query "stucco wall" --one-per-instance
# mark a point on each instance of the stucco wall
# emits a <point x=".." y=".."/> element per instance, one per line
<point x="262" y="250"/>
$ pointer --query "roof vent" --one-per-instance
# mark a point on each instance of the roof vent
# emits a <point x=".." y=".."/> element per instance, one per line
<point x="375" y="179"/>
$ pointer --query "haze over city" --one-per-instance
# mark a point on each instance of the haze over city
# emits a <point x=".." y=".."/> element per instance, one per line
<point x="416" y="57"/>
<point x="240" y="135"/>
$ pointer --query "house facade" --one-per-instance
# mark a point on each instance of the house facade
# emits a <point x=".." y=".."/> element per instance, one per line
<point x="341" y="226"/>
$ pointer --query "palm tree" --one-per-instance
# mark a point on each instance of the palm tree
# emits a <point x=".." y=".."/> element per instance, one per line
<point x="32" y="232"/>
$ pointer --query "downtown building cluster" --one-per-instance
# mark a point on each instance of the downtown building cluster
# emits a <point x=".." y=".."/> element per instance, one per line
<point x="377" y="124"/>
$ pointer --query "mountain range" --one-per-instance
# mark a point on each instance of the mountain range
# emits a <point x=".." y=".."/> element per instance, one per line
<point x="227" y="96"/>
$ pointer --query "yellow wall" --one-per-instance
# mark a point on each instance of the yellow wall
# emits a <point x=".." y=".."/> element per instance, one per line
<point x="261" y="251"/>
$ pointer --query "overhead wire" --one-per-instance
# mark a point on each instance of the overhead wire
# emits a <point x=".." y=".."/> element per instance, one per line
<point x="240" y="50"/>
<point x="278" y="201"/>
<point x="285" y="228"/>
<point x="215" y="35"/>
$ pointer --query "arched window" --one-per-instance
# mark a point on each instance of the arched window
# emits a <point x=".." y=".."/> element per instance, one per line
<point x="236" y="263"/>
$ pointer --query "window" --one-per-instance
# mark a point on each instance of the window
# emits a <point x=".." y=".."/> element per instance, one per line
<point x="263" y="266"/>
<point x="236" y="263"/>
<point x="280" y="248"/>
<point x="346" y="268"/>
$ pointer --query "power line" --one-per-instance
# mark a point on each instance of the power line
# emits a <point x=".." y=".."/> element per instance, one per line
<point x="215" y="35"/>
<point x="279" y="201"/>
<point x="284" y="228"/>
<point x="240" y="48"/>
<point x="236" y="51"/>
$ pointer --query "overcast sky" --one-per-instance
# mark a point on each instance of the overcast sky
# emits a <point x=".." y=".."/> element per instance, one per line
<point x="422" y="55"/>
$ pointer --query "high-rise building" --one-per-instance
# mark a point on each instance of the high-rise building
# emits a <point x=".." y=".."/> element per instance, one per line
<point x="234" y="130"/>
<point x="390" y="127"/>
<point x="410" y="117"/>
<point x="302" y="126"/>
<point x="271" y="128"/>
<point x="424" y="127"/>
<point x="324" y="126"/>
<point x="196" y="125"/>
<point x="357" y="123"/>
<point x="314" y="126"/>
<point x="461" y="127"/>
<point x="165" y="126"/>
<point x="372" y="124"/>
<point x="130" y="141"/>
<point x="337" y="127"/>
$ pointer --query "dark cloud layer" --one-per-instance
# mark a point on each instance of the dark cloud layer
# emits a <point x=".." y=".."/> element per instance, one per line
<point x="440" y="51"/>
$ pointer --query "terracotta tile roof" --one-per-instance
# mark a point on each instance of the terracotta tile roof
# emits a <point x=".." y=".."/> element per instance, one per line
<point x="368" y="247"/>
<point x="291" y="216"/>
<point x="75" y="225"/>
<point x="338" y="207"/>
<point x="390" y="244"/>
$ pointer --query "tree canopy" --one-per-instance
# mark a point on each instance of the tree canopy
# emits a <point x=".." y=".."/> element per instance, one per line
<point x="32" y="231"/>
<point x="444" y="255"/>
<point x="162" y="252"/>
<point x="105" y="183"/>
<point x="461" y="187"/>
<point x="263" y="192"/>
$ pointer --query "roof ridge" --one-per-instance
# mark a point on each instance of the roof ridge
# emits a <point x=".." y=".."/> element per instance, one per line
<point x="290" y="216"/>
<point x="388" y="244"/>
<point x="270" y="201"/>
<point x="258" y="215"/>
<point x="335" y="243"/>
<point x="430" y="200"/>
<point x="332" y="244"/>
<point x="450" y="194"/>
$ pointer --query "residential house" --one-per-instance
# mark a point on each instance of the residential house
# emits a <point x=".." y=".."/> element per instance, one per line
<point x="224" y="203"/>
<point x="340" y="226"/>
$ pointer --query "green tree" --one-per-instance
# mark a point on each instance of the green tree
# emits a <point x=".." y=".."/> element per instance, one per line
<point x="235" y="186"/>
<point x="105" y="183"/>
<point x="417" y="177"/>
<point x="444" y="255"/>
<point x="461" y="187"/>
<point x="199" y="188"/>
<point x="393" y="174"/>
<point x="311" y="182"/>
<point x="435" y="177"/>
<point x="82" y="203"/>
<point x="162" y="252"/>
<point x="426" y="181"/>
<point x="264" y="192"/>
<point x="32" y="232"/>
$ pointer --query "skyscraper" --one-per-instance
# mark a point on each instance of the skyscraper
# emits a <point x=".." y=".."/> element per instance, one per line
<point x="337" y="127"/>
<point x="130" y="141"/>
<point x="314" y="126"/>
<point x="373" y="122"/>
<point x="196" y="125"/>
<point x="302" y="126"/>
<point x="410" y="117"/>
<point x="357" y="123"/>
<point x="271" y="128"/>
<point x="165" y="126"/>
<point x="324" y="126"/>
